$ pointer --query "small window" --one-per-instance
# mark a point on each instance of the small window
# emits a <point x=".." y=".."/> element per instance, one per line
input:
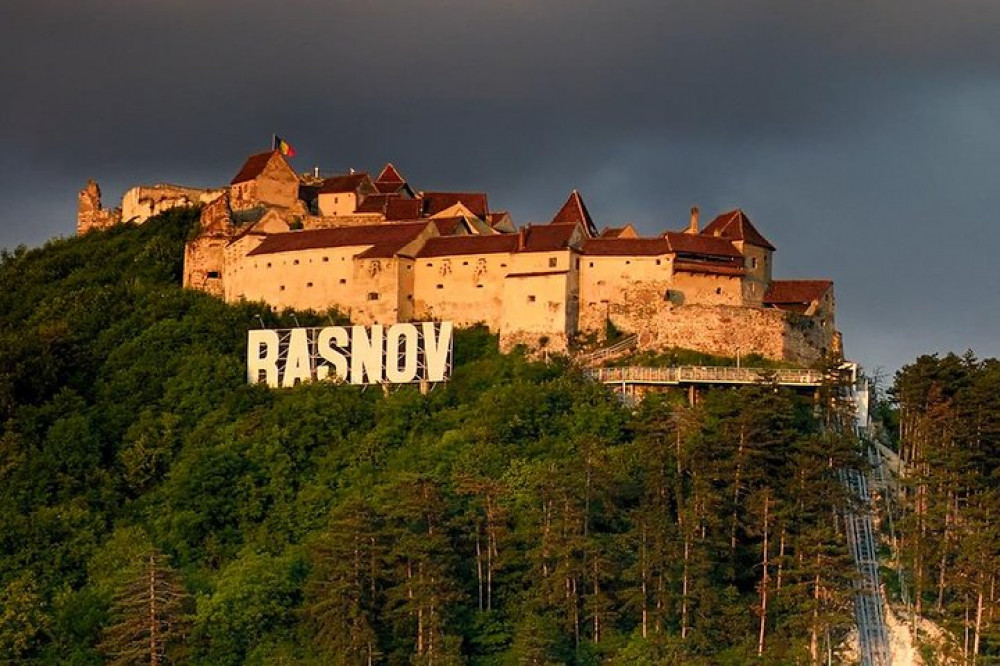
<point x="479" y="286"/>
<point x="552" y="262"/>
<point x="627" y="263"/>
<point x="269" y="264"/>
<point x="440" y="286"/>
<point x="657" y="262"/>
<point x="503" y="265"/>
<point x="343" y="281"/>
<point x="591" y="264"/>
<point x="465" y="263"/>
<point x="281" y="288"/>
<point x="753" y="262"/>
<point x="430" y="264"/>
<point x="213" y="274"/>
<point x="372" y="295"/>
<point x="326" y="258"/>
<point x="718" y="290"/>
<point x="309" y="284"/>
<point x="336" y="199"/>
<point x="531" y="299"/>
<point x="295" y="262"/>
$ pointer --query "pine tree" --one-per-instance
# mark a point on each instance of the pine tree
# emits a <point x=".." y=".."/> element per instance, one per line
<point x="148" y="613"/>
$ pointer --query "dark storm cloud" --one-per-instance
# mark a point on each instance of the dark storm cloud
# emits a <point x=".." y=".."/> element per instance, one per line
<point x="861" y="136"/>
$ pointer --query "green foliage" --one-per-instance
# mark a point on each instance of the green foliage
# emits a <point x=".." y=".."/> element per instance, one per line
<point x="518" y="514"/>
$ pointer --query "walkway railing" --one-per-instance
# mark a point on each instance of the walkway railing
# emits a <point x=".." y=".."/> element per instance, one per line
<point x="624" y="345"/>
<point x="693" y="374"/>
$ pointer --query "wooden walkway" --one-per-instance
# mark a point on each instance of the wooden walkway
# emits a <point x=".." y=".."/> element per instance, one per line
<point x="689" y="375"/>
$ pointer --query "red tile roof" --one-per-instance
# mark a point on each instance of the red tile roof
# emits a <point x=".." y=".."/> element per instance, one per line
<point x="254" y="166"/>
<point x="374" y="234"/>
<point x="435" y="202"/>
<point x="548" y="237"/>
<point x="389" y="174"/>
<point x="388" y="188"/>
<point x="447" y="226"/>
<point x="574" y="211"/>
<point x="403" y="209"/>
<point x="611" y="232"/>
<point x="444" y="246"/>
<point x="735" y="225"/>
<point x="697" y="244"/>
<point x="626" y="247"/>
<point x="796" y="292"/>
<point x="374" y="203"/>
<point x="346" y="183"/>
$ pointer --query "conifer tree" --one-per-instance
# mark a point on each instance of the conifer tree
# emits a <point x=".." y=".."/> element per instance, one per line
<point x="148" y="615"/>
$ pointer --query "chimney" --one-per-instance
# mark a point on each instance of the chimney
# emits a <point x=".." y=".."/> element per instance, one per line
<point x="693" y="224"/>
<point x="316" y="172"/>
<point x="520" y="239"/>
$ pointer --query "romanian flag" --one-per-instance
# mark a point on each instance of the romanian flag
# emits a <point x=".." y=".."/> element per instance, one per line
<point x="283" y="146"/>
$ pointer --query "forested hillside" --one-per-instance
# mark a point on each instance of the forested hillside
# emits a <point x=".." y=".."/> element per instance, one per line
<point x="948" y="432"/>
<point x="150" y="499"/>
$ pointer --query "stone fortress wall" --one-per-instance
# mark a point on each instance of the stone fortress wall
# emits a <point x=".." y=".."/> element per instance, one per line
<point x="381" y="252"/>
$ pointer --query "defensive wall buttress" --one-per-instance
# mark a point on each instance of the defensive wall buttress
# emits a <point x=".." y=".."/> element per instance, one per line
<point x="382" y="251"/>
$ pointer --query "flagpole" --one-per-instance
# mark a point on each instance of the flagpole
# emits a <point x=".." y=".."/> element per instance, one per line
<point x="274" y="142"/>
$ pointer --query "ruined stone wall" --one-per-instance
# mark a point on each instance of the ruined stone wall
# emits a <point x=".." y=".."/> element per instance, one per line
<point x="204" y="256"/>
<point x="601" y="281"/>
<point x="90" y="213"/>
<point x="204" y="261"/>
<point x="721" y="329"/>
<point x="464" y="289"/>
<point x="143" y="202"/>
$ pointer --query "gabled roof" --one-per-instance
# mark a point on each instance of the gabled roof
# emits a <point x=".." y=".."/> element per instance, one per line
<point x="626" y="247"/>
<point x="735" y="225"/>
<point x="451" y="226"/>
<point x="389" y="175"/>
<point x="255" y="165"/>
<point x="374" y="203"/>
<point x="403" y="209"/>
<point x="435" y="202"/>
<point x="796" y="292"/>
<point x="548" y="237"/>
<point x="389" y="188"/>
<point x="628" y="231"/>
<point x="382" y="235"/>
<point x="574" y="211"/>
<point x="445" y="246"/>
<point x="343" y="184"/>
<point x="696" y="244"/>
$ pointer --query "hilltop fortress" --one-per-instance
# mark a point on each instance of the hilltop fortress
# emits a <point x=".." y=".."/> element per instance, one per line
<point x="382" y="251"/>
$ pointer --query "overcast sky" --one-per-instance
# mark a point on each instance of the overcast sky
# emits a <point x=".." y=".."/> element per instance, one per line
<point x="862" y="137"/>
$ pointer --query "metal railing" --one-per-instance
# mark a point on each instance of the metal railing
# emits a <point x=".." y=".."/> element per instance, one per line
<point x="873" y="638"/>
<point x="692" y="374"/>
<point x="625" y="344"/>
